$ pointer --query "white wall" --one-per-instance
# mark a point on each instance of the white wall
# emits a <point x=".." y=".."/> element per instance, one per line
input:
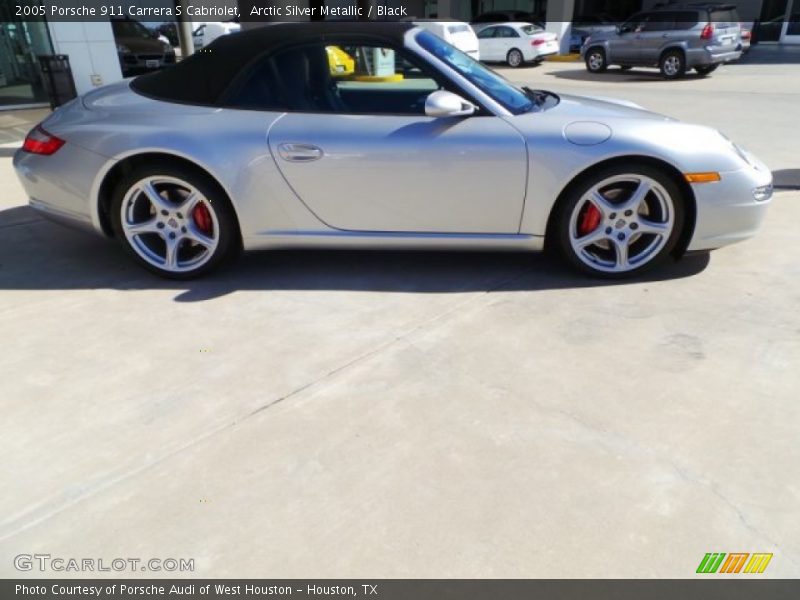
<point x="92" y="52"/>
<point x="559" y="17"/>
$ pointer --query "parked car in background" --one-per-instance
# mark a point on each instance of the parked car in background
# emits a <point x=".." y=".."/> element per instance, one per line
<point x="205" y="33"/>
<point x="747" y="38"/>
<point x="504" y="16"/>
<point x="459" y="34"/>
<point x="139" y="49"/>
<point x="576" y="39"/>
<point x="673" y="38"/>
<point x="516" y="43"/>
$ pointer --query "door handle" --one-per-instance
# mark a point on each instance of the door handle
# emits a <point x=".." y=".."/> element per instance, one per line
<point x="299" y="152"/>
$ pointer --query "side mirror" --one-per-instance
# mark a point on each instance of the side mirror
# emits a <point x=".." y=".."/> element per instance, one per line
<point x="447" y="104"/>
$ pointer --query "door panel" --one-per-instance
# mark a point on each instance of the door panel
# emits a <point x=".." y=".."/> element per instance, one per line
<point x="626" y="46"/>
<point x="405" y="173"/>
<point x="656" y="33"/>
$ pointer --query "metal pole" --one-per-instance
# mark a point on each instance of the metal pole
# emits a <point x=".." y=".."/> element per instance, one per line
<point x="184" y="26"/>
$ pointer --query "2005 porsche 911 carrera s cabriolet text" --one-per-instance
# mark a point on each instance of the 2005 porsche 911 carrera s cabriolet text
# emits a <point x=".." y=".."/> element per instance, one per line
<point x="261" y="141"/>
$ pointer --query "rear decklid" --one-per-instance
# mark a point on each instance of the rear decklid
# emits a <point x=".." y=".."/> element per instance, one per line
<point x="119" y="97"/>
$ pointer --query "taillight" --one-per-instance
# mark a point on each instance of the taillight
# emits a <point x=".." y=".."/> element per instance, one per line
<point x="708" y="32"/>
<point x="537" y="42"/>
<point x="40" y="141"/>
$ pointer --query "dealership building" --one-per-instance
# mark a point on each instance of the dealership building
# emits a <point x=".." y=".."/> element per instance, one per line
<point x="92" y="50"/>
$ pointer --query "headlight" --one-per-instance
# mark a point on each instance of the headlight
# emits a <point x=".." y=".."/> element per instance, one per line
<point x="763" y="193"/>
<point x="123" y="49"/>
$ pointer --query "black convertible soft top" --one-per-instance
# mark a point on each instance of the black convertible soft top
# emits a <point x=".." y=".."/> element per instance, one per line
<point x="203" y="77"/>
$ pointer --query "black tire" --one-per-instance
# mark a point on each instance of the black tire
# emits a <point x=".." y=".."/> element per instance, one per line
<point x="514" y="58"/>
<point x="596" y="60"/>
<point x="228" y="240"/>
<point x="707" y="70"/>
<point x="559" y="230"/>
<point x="672" y="64"/>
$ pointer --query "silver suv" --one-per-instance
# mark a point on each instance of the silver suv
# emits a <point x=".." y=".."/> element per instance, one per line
<point x="674" y="38"/>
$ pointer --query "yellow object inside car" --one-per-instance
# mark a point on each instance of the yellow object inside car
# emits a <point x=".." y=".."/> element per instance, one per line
<point x="340" y="62"/>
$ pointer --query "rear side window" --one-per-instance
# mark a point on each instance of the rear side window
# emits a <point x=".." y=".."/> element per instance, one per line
<point x="506" y="32"/>
<point x="487" y="33"/>
<point x="685" y="20"/>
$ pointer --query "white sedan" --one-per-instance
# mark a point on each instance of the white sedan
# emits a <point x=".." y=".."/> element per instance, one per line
<point x="516" y="43"/>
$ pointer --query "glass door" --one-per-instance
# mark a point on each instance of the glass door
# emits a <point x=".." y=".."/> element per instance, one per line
<point x="792" y="33"/>
<point x="20" y="43"/>
<point x="773" y="15"/>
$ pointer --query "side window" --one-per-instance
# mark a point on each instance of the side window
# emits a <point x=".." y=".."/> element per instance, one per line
<point x="337" y="78"/>
<point x="506" y="32"/>
<point x="659" y="21"/>
<point x="685" y="20"/>
<point x="380" y="80"/>
<point x="634" y="24"/>
<point x="487" y="33"/>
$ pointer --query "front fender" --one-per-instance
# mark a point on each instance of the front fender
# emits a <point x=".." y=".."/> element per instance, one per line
<point x="555" y="162"/>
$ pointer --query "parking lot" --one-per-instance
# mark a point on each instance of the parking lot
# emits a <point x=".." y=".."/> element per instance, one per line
<point x="341" y="414"/>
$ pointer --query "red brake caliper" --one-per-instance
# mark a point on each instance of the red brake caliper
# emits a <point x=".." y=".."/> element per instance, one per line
<point x="589" y="220"/>
<point x="202" y="218"/>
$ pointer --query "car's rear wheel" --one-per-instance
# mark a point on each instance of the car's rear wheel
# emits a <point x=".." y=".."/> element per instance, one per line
<point x="672" y="64"/>
<point x="619" y="221"/>
<point x="596" y="60"/>
<point x="703" y="71"/>
<point x="514" y="58"/>
<point x="174" y="221"/>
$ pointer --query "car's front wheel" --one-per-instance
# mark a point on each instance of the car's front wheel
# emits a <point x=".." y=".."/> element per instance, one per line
<point x="619" y="221"/>
<point x="707" y="70"/>
<point x="174" y="221"/>
<point x="596" y="60"/>
<point x="514" y="58"/>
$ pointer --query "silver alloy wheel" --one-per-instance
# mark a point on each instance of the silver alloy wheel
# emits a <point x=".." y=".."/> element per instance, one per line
<point x="672" y="65"/>
<point x="169" y="223"/>
<point x="514" y="58"/>
<point x="596" y="60"/>
<point x="635" y="221"/>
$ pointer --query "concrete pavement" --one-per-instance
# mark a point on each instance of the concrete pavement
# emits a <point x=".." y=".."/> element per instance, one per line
<point x="337" y="414"/>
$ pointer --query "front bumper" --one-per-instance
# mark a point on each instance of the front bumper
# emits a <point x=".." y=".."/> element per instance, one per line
<point x="727" y="210"/>
<point x="143" y="63"/>
<point x="60" y="186"/>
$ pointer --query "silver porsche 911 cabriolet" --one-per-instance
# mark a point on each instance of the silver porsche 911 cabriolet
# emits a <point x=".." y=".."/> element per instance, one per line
<point x="366" y="135"/>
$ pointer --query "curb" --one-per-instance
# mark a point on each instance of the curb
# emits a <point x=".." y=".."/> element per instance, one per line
<point x="563" y="58"/>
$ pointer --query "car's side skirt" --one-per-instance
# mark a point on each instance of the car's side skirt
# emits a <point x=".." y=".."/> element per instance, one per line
<point x="393" y="240"/>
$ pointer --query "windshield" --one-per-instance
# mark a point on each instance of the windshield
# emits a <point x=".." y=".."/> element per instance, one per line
<point x="489" y="82"/>
<point x="130" y="29"/>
